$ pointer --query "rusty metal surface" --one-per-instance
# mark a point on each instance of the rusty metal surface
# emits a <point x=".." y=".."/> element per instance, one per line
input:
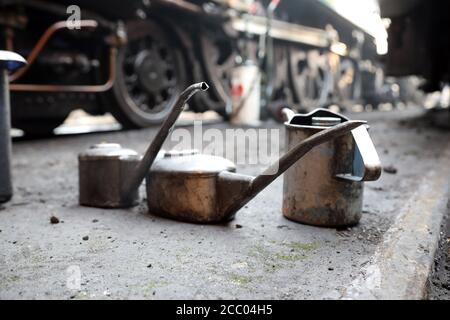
<point x="102" y="171"/>
<point x="324" y="188"/>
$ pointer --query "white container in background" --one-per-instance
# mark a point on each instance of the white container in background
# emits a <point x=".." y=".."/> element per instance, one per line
<point x="246" y="94"/>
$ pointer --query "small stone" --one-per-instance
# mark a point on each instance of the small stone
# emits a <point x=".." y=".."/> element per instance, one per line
<point x="330" y="269"/>
<point x="85" y="238"/>
<point x="390" y="170"/>
<point x="94" y="221"/>
<point x="54" y="220"/>
<point x="238" y="226"/>
<point x="149" y="266"/>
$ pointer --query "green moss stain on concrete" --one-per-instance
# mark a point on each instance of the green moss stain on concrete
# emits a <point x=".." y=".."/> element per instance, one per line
<point x="80" y="296"/>
<point x="6" y="281"/>
<point x="277" y="256"/>
<point x="298" y="246"/>
<point x="290" y="257"/>
<point x="153" y="286"/>
<point x="240" y="279"/>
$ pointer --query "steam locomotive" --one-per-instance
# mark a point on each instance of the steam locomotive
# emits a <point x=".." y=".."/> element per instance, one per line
<point x="132" y="58"/>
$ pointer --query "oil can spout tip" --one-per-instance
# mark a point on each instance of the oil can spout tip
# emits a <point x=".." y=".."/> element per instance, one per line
<point x="204" y="86"/>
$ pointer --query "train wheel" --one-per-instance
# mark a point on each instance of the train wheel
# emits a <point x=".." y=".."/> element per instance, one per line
<point x="217" y="56"/>
<point x="150" y="76"/>
<point x="307" y="78"/>
<point x="346" y="86"/>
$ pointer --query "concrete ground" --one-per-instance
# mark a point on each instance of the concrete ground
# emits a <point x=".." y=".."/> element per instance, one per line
<point x="439" y="282"/>
<point x="126" y="254"/>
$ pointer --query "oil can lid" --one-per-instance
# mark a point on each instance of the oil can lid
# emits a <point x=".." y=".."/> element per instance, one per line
<point x="318" y="118"/>
<point x="11" y="61"/>
<point x="193" y="164"/>
<point x="108" y="151"/>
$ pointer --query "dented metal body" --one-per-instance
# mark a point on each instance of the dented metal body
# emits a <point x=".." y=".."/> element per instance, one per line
<point x="110" y="176"/>
<point x="205" y="189"/>
<point x="325" y="188"/>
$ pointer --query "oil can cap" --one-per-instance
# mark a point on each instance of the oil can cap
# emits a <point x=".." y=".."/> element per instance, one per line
<point x="318" y="119"/>
<point x="108" y="151"/>
<point x="193" y="164"/>
<point x="11" y="61"/>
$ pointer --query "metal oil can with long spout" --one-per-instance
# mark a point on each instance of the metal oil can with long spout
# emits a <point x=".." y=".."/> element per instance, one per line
<point x="325" y="188"/>
<point x="110" y="176"/>
<point x="205" y="189"/>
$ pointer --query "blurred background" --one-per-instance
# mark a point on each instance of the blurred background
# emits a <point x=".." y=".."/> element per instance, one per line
<point x="107" y="65"/>
<point x="111" y="71"/>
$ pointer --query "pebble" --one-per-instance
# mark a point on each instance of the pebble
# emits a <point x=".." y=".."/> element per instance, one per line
<point x="54" y="220"/>
<point x="390" y="170"/>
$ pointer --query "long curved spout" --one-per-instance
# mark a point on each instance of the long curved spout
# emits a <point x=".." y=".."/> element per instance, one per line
<point x="257" y="184"/>
<point x="133" y="182"/>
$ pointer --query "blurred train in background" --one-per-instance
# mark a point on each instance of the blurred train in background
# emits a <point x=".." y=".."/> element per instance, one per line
<point x="132" y="58"/>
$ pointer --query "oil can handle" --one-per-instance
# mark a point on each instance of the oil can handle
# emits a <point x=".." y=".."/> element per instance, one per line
<point x="366" y="163"/>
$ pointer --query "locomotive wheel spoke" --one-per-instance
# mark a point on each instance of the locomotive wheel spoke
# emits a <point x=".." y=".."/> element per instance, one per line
<point x="151" y="74"/>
